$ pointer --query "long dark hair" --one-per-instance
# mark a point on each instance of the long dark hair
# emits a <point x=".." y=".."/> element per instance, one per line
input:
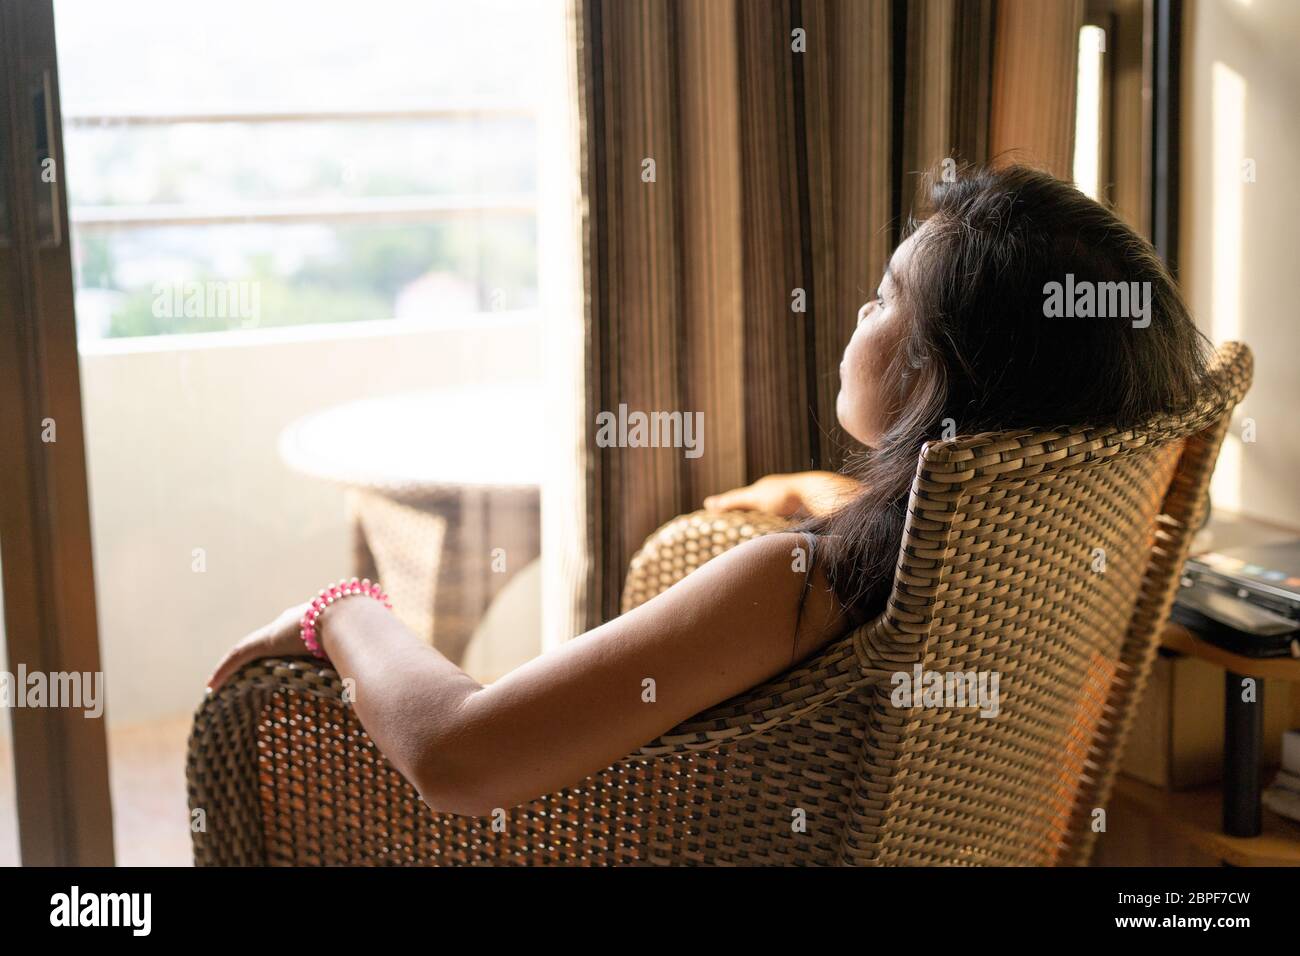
<point x="980" y="354"/>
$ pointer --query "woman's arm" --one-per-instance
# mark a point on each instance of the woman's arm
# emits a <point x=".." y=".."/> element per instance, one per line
<point x="801" y="493"/>
<point x="570" y="712"/>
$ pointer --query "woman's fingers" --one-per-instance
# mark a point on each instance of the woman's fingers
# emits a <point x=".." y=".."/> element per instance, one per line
<point x="235" y="658"/>
<point x="742" y="499"/>
<point x="249" y="649"/>
<point x="775" y="494"/>
<point x="729" y="501"/>
<point x="277" y="639"/>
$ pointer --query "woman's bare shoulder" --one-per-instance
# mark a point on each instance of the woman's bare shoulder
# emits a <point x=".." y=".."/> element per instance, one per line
<point x="779" y="577"/>
<point x="726" y="627"/>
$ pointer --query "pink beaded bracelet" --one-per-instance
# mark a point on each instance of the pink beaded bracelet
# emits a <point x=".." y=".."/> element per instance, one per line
<point x="336" y="592"/>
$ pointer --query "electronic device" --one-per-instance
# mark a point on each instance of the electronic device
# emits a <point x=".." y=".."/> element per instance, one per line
<point x="1245" y="600"/>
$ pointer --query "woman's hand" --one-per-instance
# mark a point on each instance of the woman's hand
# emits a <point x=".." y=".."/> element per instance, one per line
<point x="277" y="639"/>
<point x="804" y="493"/>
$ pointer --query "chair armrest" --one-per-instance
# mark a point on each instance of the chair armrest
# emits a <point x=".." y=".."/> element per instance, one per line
<point x="688" y="541"/>
<point x="280" y="772"/>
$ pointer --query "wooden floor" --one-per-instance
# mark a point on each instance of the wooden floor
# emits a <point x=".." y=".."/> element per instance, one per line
<point x="147" y="778"/>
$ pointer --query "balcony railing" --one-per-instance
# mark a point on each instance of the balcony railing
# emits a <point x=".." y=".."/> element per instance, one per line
<point x="378" y="209"/>
<point x="365" y="209"/>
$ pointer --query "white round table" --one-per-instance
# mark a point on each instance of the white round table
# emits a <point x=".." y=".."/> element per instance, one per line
<point x="482" y="436"/>
<point x="442" y="492"/>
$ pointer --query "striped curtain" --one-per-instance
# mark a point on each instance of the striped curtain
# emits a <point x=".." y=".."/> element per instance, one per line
<point x="745" y="168"/>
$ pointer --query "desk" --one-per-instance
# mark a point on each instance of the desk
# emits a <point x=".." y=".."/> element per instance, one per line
<point x="442" y="492"/>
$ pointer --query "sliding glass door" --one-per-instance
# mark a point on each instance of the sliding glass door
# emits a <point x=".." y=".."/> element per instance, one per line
<point x="303" y="243"/>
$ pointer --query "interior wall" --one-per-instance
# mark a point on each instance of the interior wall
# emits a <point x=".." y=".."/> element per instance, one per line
<point x="1240" y="212"/>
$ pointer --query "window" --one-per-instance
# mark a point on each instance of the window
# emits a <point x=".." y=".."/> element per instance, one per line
<point x="244" y="164"/>
<point x="362" y="176"/>
<point x="1113" y="142"/>
<point x="1089" y="156"/>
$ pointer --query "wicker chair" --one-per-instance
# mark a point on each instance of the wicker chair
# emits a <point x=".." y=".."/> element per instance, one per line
<point x="1050" y="559"/>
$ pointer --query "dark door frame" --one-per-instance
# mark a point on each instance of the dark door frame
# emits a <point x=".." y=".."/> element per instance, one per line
<point x="1167" y="78"/>
<point x="60" y="756"/>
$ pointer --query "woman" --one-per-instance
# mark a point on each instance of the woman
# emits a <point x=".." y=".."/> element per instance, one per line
<point x="957" y="339"/>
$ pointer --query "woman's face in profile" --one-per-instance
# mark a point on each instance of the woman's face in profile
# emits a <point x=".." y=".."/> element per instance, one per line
<point x="867" y="397"/>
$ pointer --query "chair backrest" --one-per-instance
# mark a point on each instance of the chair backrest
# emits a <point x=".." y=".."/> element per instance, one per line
<point x="1040" y="566"/>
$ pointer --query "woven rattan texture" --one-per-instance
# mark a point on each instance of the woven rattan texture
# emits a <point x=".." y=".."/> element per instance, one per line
<point x="1048" y="559"/>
